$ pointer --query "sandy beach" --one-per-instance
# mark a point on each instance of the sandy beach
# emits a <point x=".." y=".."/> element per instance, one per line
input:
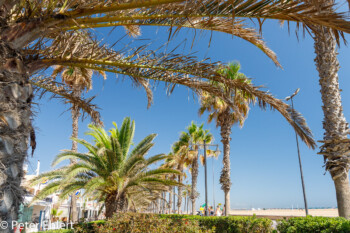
<point x="287" y="212"/>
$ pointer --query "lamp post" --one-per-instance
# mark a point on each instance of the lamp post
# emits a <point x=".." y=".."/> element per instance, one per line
<point x="212" y="166"/>
<point x="206" y="179"/>
<point x="217" y="151"/>
<point x="296" y="138"/>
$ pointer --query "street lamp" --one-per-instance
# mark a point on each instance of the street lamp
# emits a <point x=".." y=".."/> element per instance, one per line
<point x="300" y="166"/>
<point x="217" y="152"/>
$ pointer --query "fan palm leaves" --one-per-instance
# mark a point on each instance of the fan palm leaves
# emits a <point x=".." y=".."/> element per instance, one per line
<point x="225" y="117"/>
<point x="111" y="171"/>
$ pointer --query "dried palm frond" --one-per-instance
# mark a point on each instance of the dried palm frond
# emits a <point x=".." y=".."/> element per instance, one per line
<point x="51" y="18"/>
<point x="295" y="119"/>
<point x="189" y="73"/>
<point x="60" y="91"/>
<point x="43" y="32"/>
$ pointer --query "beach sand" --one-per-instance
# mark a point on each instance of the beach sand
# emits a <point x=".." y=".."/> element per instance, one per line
<point x="287" y="212"/>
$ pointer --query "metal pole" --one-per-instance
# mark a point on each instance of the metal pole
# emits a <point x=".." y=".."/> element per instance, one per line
<point x="206" y="183"/>
<point x="212" y="165"/>
<point x="174" y="211"/>
<point x="300" y="166"/>
<point x="70" y="210"/>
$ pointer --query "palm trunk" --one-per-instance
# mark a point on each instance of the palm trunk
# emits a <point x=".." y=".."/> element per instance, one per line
<point x="15" y="128"/>
<point x="170" y="200"/>
<point x="194" y="193"/>
<point x="225" y="177"/>
<point x="336" y="147"/>
<point x="185" y="199"/>
<point x="163" y="202"/>
<point x="188" y="200"/>
<point x="75" y="130"/>
<point x="158" y="206"/>
<point x="187" y="205"/>
<point x="179" y="190"/>
<point x="111" y="205"/>
<point x="114" y="205"/>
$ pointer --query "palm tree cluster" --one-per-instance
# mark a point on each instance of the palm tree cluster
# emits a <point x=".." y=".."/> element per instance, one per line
<point x="111" y="171"/>
<point x="185" y="154"/>
<point x="36" y="35"/>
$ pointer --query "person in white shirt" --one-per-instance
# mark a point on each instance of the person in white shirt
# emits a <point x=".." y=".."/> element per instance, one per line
<point x="218" y="211"/>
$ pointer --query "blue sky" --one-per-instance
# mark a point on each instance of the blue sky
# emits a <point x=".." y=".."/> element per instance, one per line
<point x="264" y="165"/>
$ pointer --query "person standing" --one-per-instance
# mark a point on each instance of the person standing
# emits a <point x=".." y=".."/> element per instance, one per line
<point x="218" y="211"/>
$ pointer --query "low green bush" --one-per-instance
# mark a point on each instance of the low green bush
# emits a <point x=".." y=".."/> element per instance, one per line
<point x="58" y="231"/>
<point x="88" y="227"/>
<point x="149" y="223"/>
<point x="137" y="223"/>
<point x="311" y="224"/>
<point x="230" y="224"/>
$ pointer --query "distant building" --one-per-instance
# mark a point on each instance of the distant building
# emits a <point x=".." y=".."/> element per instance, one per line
<point x="39" y="212"/>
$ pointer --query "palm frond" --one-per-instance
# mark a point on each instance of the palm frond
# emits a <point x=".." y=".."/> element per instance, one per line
<point x="59" y="91"/>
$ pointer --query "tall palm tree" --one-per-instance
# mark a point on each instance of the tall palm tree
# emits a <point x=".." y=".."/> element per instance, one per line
<point x="36" y="35"/>
<point x="225" y="117"/>
<point x="79" y="80"/>
<point x="188" y="189"/>
<point x="336" y="144"/>
<point x="111" y="170"/>
<point x="187" y="147"/>
<point x="179" y="159"/>
<point x="171" y="162"/>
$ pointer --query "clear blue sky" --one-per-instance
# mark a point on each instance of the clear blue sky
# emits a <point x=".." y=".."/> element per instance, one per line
<point x="264" y="165"/>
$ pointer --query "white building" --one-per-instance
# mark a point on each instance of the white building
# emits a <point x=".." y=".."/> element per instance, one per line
<point x="39" y="212"/>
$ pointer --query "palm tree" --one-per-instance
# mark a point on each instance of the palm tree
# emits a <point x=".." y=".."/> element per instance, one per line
<point x="225" y="117"/>
<point x="179" y="160"/>
<point x="186" y="195"/>
<point x="188" y="191"/>
<point x="55" y="214"/>
<point x="36" y="35"/>
<point x="79" y="80"/>
<point x="171" y="162"/>
<point x="186" y="146"/>
<point x="109" y="171"/>
<point x="335" y="148"/>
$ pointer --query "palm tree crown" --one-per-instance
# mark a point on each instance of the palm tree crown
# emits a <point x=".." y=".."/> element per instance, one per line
<point x="110" y="171"/>
<point x="219" y="109"/>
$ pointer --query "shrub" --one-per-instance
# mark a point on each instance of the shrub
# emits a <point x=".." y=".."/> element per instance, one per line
<point x="88" y="227"/>
<point x="229" y="224"/>
<point x="58" y="231"/>
<point x="311" y="224"/>
<point x="148" y="223"/>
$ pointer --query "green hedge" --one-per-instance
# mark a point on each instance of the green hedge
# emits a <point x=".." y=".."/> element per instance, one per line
<point x="150" y="223"/>
<point x="58" y="231"/>
<point x="311" y="224"/>
<point x="88" y="226"/>
<point x="225" y="224"/>
<point x="229" y="224"/>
